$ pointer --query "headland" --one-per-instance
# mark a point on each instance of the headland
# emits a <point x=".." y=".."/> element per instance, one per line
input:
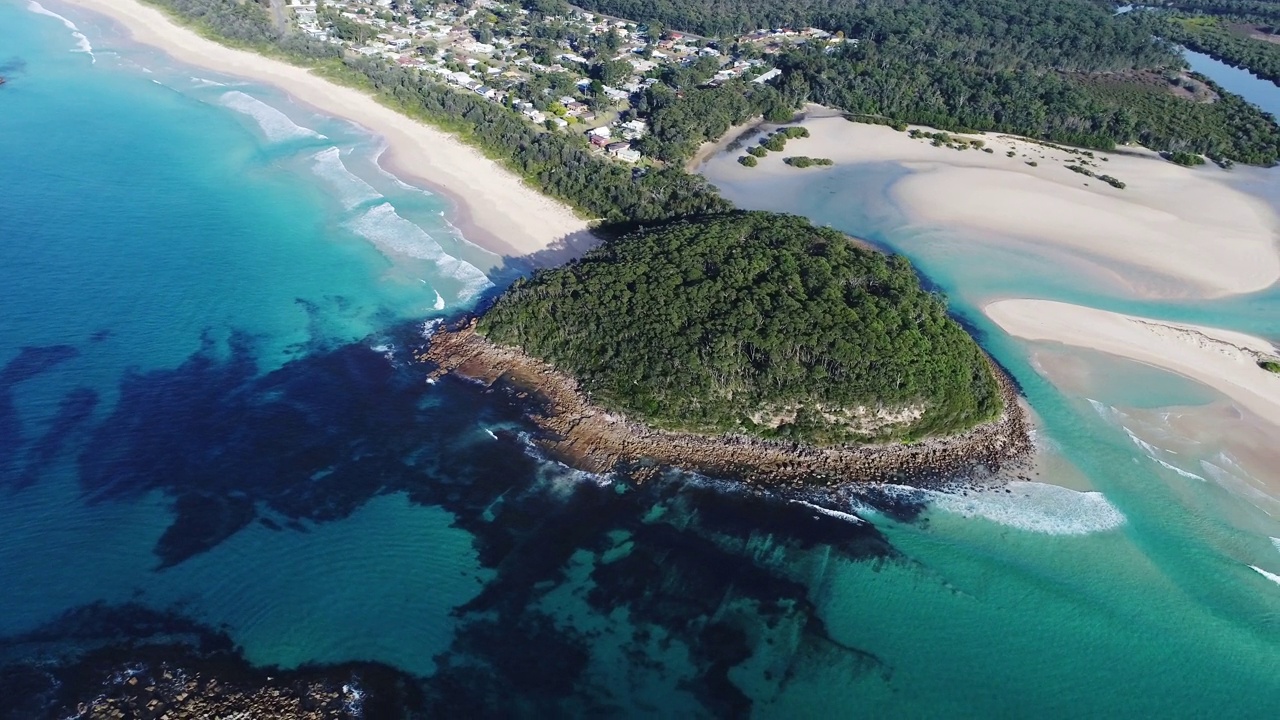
<point x="495" y="208"/>
<point x="586" y="436"/>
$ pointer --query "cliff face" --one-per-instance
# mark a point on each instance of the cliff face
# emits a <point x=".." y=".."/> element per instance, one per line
<point x="590" y="438"/>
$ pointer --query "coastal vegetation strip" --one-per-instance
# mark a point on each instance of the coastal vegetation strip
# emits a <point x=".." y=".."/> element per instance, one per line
<point x="753" y="323"/>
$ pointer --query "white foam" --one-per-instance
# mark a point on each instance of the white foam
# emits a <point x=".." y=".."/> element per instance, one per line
<point x="491" y="433"/>
<point x="392" y="234"/>
<point x="82" y="43"/>
<point x="1228" y="474"/>
<point x="847" y="517"/>
<point x="439" y="301"/>
<point x="352" y="190"/>
<point x="203" y="82"/>
<point x="429" y="328"/>
<point x="1179" y="470"/>
<point x="1148" y="448"/>
<point x="1034" y="507"/>
<point x="1276" y="542"/>
<point x="1270" y="576"/>
<point x="377" y="162"/>
<point x="275" y="125"/>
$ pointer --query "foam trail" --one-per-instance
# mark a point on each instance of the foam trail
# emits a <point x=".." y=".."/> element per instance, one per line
<point x="1179" y="470"/>
<point x="82" y="43"/>
<point x="1035" y="507"/>
<point x="377" y="162"/>
<point x="351" y="189"/>
<point x="439" y="301"/>
<point x="847" y="517"/>
<point x="1147" y="447"/>
<point x="275" y="125"/>
<point x="391" y="233"/>
<point x="1238" y="483"/>
<point x="1270" y="576"/>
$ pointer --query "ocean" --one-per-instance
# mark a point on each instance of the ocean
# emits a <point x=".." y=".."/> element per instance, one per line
<point x="209" y="418"/>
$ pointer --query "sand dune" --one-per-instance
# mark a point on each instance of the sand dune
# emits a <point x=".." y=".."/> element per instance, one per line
<point x="1172" y="231"/>
<point x="496" y="209"/>
<point x="1222" y="359"/>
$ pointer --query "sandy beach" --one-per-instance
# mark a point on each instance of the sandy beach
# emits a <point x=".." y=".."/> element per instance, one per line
<point x="1222" y="359"/>
<point x="1171" y="232"/>
<point x="495" y="209"/>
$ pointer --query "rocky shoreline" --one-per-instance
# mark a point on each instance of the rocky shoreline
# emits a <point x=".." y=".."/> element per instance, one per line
<point x="588" y="437"/>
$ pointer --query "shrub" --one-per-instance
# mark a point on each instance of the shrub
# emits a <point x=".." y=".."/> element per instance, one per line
<point x="1183" y="158"/>
<point x="747" y="161"/>
<point x="803" y="161"/>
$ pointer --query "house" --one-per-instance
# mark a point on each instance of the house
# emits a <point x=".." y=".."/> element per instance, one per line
<point x="628" y="155"/>
<point x="604" y="133"/>
<point x="768" y="76"/>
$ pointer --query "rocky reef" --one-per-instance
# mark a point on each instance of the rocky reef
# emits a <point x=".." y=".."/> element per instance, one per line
<point x="590" y="438"/>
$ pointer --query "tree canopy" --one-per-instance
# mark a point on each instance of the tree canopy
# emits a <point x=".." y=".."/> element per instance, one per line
<point x="752" y="322"/>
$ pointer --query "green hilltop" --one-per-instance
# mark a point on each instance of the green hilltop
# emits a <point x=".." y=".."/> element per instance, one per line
<point x="753" y="322"/>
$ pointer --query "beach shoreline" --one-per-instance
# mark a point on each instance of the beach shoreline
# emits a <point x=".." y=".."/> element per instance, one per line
<point x="1224" y="360"/>
<point x="1171" y="231"/>
<point x="591" y="438"/>
<point x="492" y="207"/>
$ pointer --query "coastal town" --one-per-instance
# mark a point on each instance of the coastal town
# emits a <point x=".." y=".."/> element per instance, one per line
<point x="563" y="69"/>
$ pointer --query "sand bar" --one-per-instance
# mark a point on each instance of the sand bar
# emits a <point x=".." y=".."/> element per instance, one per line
<point x="1171" y="232"/>
<point x="1222" y="359"/>
<point x="495" y="208"/>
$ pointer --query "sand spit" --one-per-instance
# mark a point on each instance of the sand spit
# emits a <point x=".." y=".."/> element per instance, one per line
<point x="1170" y="232"/>
<point x="495" y="208"/>
<point x="1222" y="359"/>
<point x="592" y="439"/>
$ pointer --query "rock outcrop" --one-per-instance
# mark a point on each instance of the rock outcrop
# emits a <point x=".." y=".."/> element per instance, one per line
<point x="590" y="438"/>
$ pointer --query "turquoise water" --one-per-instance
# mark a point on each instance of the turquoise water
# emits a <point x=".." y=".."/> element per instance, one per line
<point x="214" y="417"/>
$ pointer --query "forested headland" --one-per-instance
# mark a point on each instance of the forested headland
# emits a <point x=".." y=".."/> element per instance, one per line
<point x="757" y="323"/>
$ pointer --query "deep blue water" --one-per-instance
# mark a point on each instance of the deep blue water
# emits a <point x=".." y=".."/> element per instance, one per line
<point x="209" y="419"/>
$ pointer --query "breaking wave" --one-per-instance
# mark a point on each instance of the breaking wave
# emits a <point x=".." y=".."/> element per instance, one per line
<point x="275" y="125"/>
<point x="203" y="82"/>
<point x="391" y="233"/>
<point x="847" y="517"/>
<point x="439" y="305"/>
<point x="1179" y="470"/>
<point x="1268" y="575"/>
<point x="351" y="189"/>
<point x="1034" y="507"/>
<point x="82" y="43"/>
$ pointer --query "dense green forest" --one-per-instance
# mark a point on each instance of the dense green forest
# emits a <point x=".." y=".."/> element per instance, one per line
<point x="1075" y="35"/>
<point x="1068" y="71"/>
<point x="701" y="323"/>
<point x="1090" y="111"/>
<point x="1244" y="41"/>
